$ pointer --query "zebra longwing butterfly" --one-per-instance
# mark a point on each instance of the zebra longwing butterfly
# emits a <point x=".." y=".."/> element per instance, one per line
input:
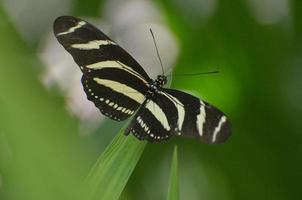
<point x="120" y="88"/>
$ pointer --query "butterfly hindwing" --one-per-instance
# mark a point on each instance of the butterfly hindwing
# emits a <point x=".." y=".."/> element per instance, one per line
<point x="115" y="105"/>
<point x="112" y="79"/>
<point x="200" y="119"/>
<point x="155" y="121"/>
<point x="173" y="112"/>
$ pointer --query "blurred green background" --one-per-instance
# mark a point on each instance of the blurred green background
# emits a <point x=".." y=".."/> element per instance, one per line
<point x="45" y="152"/>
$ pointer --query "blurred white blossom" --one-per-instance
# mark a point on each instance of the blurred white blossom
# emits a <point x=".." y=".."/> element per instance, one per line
<point x="32" y="18"/>
<point x="132" y="21"/>
<point x="62" y="71"/>
<point x="269" y="11"/>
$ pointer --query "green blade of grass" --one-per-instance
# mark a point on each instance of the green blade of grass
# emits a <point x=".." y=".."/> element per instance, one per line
<point x="173" y="191"/>
<point x="113" y="168"/>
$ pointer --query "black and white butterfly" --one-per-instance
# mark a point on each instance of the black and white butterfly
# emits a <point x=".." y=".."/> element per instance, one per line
<point x="120" y="88"/>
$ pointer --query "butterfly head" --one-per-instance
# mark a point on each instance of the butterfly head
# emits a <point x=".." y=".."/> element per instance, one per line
<point x="161" y="80"/>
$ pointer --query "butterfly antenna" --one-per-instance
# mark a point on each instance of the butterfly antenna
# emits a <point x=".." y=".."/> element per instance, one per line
<point x="161" y="64"/>
<point x="196" y="74"/>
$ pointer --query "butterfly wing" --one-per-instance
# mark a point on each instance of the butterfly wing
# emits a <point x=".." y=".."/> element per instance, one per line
<point x="199" y="119"/>
<point x="155" y="121"/>
<point x="112" y="79"/>
<point x="180" y="113"/>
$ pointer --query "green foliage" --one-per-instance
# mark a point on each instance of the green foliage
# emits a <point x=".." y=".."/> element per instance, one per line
<point x="113" y="168"/>
<point x="173" y="191"/>
<point x="44" y="157"/>
<point x="39" y="147"/>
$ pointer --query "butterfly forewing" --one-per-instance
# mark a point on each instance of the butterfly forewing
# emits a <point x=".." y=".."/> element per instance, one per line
<point x="88" y="45"/>
<point x="112" y="79"/>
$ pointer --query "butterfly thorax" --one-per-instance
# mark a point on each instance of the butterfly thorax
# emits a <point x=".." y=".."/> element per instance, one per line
<point x="156" y="84"/>
<point x="160" y="81"/>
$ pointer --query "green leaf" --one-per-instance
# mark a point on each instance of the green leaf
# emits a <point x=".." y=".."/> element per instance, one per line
<point x="173" y="191"/>
<point x="113" y="168"/>
<point x="41" y="154"/>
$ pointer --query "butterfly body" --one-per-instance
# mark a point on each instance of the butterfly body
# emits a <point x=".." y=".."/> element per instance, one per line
<point x="156" y="85"/>
<point x="120" y="88"/>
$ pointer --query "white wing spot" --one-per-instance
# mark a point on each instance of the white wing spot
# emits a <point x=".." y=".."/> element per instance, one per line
<point x="72" y="29"/>
<point x="115" y="64"/>
<point x="180" y="109"/>
<point x="201" y="117"/>
<point x="122" y="89"/>
<point x="218" y="127"/>
<point x="95" y="44"/>
<point x="158" y="113"/>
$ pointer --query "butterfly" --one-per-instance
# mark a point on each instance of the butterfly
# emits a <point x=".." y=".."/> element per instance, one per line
<point x="120" y="88"/>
